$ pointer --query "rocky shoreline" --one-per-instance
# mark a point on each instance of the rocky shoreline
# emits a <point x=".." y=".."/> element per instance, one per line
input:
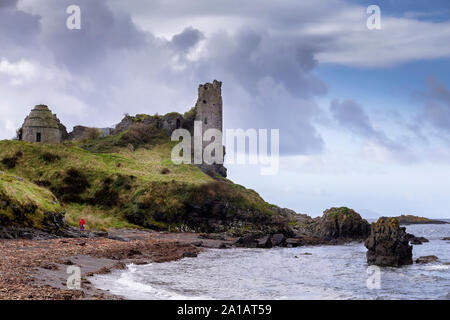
<point x="35" y="265"/>
<point x="37" y="269"/>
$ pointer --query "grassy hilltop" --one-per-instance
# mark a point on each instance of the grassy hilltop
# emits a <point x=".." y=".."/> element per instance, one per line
<point x="124" y="180"/>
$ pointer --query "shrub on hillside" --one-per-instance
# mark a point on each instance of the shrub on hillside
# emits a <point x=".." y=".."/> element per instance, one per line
<point x="75" y="183"/>
<point x="165" y="171"/>
<point x="10" y="162"/>
<point x="139" y="134"/>
<point x="50" y="157"/>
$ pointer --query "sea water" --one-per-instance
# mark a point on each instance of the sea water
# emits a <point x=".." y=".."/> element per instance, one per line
<point x="309" y="272"/>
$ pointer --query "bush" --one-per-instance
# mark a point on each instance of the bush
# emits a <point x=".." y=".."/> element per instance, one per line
<point x="106" y="197"/>
<point x="90" y="134"/>
<point x="43" y="183"/>
<point x="75" y="183"/>
<point x="139" y="134"/>
<point x="11" y="162"/>
<point x="190" y="115"/>
<point x="49" y="157"/>
<point x="165" y="171"/>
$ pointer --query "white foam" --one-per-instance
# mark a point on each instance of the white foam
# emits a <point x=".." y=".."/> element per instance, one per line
<point x="124" y="283"/>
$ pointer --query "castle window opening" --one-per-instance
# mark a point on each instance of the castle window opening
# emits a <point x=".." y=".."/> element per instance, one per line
<point x="178" y="124"/>
<point x="204" y="101"/>
<point x="206" y="120"/>
<point x="38" y="137"/>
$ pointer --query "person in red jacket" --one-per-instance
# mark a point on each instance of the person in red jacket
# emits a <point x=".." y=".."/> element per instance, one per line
<point x="82" y="223"/>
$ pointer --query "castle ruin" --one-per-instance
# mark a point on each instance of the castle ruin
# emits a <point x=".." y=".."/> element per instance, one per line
<point x="44" y="127"/>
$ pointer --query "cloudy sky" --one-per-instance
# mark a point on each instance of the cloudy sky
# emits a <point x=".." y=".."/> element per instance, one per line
<point x="364" y="115"/>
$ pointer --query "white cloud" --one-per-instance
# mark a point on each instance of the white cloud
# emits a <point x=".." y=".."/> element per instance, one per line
<point x="400" y="40"/>
<point x="338" y="29"/>
<point x="19" y="72"/>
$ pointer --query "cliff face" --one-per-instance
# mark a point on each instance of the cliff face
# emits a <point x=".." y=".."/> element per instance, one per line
<point x="26" y="208"/>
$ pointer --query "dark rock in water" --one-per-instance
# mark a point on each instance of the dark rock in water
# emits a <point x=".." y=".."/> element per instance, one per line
<point x="249" y="241"/>
<point x="427" y="259"/>
<point x="342" y="223"/>
<point x="446" y="238"/>
<point x="303" y="241"/>
<point x="416" y="240"/>
<point x="189" y="255"/>
<point x="422" y="239"/>
<point x="388" y="244"/>
<point x="293" y="242"/>
<point x="224" y="245"/>
<point x="264" y="242"/>
<point x="278" y="239"/>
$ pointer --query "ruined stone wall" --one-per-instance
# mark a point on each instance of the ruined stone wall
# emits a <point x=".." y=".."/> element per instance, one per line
<point x="48" y="135"/>
<point x="168" y="122"/>
<point x="172" y="121"/>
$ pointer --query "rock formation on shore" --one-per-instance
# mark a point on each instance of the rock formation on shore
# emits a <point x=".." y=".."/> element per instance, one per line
<point x="342" y="223"/>
<point x="388" y="244"/>
<point x="337" y="225"/>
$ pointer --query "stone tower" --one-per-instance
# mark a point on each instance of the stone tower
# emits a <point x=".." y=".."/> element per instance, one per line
<point x="41" y="126"/>
<point x="209" y="106"/>
<point x="209" y="112"/>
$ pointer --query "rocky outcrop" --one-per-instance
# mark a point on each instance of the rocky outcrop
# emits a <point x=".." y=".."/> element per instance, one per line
<point x="410" y="219"/>
<point x="427" y="259"/>
<point x="341" y="223"/>
<point x="78" y="133"/>
<point x="257" y="240"/>
<point x="388" y="244"/>
<point x="416" y="240"/>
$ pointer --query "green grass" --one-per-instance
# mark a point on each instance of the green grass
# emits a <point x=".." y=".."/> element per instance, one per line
<point x="136" y="177"/>
<point x="97" y="218"/>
